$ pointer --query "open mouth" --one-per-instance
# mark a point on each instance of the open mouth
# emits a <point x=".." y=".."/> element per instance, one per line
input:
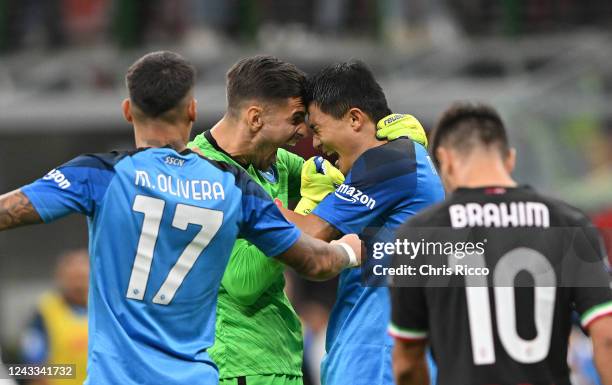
<point x="333" y="156"/>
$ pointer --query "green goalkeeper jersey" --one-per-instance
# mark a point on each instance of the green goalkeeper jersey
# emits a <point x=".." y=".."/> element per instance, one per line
<point x="257" y="330"/>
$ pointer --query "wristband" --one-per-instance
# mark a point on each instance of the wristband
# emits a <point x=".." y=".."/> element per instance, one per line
<point x="353" y="262"/>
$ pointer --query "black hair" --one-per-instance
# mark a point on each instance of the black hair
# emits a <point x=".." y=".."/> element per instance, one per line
<point x="159" y="81"/>
<point x="264" y="78"/>
<point x="464" y="126"/>
<point x="338" y="88"/>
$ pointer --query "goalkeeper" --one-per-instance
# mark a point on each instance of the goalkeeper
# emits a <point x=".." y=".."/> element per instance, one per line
<point x="258" y="334"/>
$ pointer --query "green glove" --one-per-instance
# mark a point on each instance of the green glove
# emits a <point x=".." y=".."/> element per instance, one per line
<point x="394" y="126"/>
<point x="319" y="178"/>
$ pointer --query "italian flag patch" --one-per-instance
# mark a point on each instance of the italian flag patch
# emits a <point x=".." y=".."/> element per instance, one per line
<point x="595" y="312"/>
<point x="406" y="334"/>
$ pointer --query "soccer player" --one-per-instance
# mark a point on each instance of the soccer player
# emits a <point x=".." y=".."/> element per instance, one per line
<point x="481" y="328"/>
<point x="163" y="221"/>
<point x="386" y="182"/>
<point x="259" y="335"/>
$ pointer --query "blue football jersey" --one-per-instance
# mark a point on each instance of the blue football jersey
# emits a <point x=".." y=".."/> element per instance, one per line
<point x="386" y="185"/>
<point x="162" y="225"/>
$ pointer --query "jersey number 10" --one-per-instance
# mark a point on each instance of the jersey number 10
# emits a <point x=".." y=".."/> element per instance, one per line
<point x="153" y="209"/>
<point x="479" y="311"/>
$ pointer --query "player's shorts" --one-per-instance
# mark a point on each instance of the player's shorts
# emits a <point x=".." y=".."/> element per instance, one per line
<point x="269" y="379"/>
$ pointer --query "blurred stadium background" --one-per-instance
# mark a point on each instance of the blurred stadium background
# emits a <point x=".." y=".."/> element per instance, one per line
<point x="544" y="63"/>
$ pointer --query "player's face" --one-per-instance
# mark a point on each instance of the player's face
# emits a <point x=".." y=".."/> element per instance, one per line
<point x="330" y="136"/>
<point x="282" y="124"/>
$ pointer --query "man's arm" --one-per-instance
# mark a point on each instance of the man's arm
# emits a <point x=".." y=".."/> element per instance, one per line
<point x="312" y="225"/>
<point x="319" y="261"/>
<point x="409" y="363"/>
<point x="17" y="210"/>
<point x="601" y="335"/>
<point x="264" y="225"/>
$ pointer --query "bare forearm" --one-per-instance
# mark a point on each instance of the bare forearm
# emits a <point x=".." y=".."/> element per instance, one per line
<point x="409" y="365"/>
<point x="601" y="334"/>
<point x="604" y="366"/>
<point x="416" y="376"/>
<point x="314" y="259"/>
<point x="16" y="210"/>
<point x="311" y="225"/>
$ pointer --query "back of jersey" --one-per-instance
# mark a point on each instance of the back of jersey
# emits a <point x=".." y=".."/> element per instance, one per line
<point x="162" y="226"/>
<point x="496" y="279"/>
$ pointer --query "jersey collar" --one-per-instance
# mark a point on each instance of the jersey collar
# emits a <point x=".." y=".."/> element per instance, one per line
<point x="213" y="142"/>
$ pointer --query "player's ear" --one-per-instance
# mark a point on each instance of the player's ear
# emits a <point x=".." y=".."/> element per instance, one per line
<point x="441" y="157"/>
<point x="510" y="160"/>
<point x="356" y="118"/>
<point x="192" y="109"/>
<point x="254" y="116"/>
<point x="445" y="166"/>
<point x="126" y="107"/>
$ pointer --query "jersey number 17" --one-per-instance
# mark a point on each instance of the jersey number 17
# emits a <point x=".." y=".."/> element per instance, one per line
<point x="153" y="209"/>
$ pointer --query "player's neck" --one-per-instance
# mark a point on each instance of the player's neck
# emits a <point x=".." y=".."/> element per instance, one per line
<point x="233" y="139"/>
<point x="161" y="135"/>
<point x="484" y="173"/>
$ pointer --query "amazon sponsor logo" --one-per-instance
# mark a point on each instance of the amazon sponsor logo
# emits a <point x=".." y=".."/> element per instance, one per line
<point x="353" y="195"/>
<point x="58" y="177"/>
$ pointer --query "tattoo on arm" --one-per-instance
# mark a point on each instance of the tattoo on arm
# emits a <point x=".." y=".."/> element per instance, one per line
<point x="16" y="210"/>
<point x="315" y="259"/>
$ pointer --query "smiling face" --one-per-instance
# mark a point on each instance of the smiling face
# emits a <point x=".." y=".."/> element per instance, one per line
<point x="330" y="135"/>
<point x="281" y="124"/>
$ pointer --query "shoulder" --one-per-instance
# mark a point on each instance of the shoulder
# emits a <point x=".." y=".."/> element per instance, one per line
<point x="285" y="157"/>
<point x="560" y="212"/>
<point x="434" y="215"/>
<point x="563" y="213"/>
<point x="242" y="179"/>
<point x="221" y="165"/>
<point x="199" y="141"/>
<point x="388" y="161"/>
<point x="104" y="161"/>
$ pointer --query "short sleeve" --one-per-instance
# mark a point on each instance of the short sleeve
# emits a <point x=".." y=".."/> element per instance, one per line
<point x="362" y="198"/>
<point x="262" y="222"/>
<point x="592" y="294"/>
<point x="409" y="316"/>
<point x="74" y="187"/>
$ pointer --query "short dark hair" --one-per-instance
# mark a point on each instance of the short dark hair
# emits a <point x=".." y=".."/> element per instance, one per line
<point x="465" y="125"/>
<point x="263" y="78"/>
<point x="338" y="88"/>
<point x="158" y="82"/>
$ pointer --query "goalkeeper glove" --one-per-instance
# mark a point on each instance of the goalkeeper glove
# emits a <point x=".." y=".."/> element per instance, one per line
<point x="319" y="178"/>
<point x="394" y="126"/>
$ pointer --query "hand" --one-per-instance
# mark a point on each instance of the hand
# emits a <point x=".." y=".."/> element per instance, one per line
<point x="355" y="244"/>
<point x="394" y="126"/>
<point x="319" y="178"/>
